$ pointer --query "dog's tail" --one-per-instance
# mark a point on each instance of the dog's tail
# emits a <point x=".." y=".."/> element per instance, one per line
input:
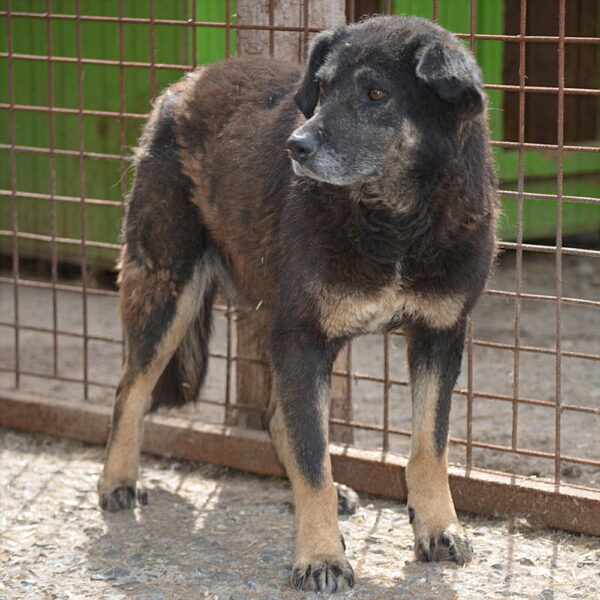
<point x="184" y="375"/>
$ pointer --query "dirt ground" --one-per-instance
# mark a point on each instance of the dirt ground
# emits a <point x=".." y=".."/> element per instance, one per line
<point x="493" y="369"/>
<point x="218" y="534"/>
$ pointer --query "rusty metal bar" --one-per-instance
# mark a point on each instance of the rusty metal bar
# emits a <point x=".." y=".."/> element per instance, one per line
<point x="552" y="249"/>
<point x="194" y="37"/>
<point x="221" y="25"/>
<point x="196" y="24"/>
<point x="99" y="155"/>
<point x="74" y="111"/>
<point x="559" y="222"/>
<point x="386" y="392"/>
<point x="351" y="11"/>
<point x="53" y="207"/>
<point x="470" y="394"/>
<point x="13" y="186"/>
<point x="227" y="28"/>
<point x="506" y="193"/>
<point x="71" y="153"/>
<point x="537" y="89"/>
<point x="546" y="298"/>
<point x="271" y="28"/>
<point x="67" y="241"/>
<point x="60" y="198"/>
<point x="534" y="196"/>
<point x="152" y="51"/>
<point x="123" y="163"/>
<point x="469" y="332"/>
<point x="472" y="25"/>
<point x="536" y="349"/>
<point x="228" y="358"/>
<point x="305" y="33"/>
<point x="564" y="506"/>
<point x="82" y="212"/>
<point x="519" y="244"/>
<point x="53" y="330"/>
<point x="61" y="287"/>
<point x="546" y="147"/>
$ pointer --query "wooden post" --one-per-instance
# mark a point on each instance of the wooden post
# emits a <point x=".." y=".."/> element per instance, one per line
<point x="284" y="45"/>
<point x="253" y="380"/>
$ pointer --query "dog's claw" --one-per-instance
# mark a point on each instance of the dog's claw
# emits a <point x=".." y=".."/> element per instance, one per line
<point x="122" y="497"/>
<point x="444" y="546"/>
<point x="334" y="575"/>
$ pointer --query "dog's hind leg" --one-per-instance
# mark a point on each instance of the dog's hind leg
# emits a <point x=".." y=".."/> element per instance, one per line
<point x="167" y="283"/>
<point x="434" y="358"/>
<point x="298" y="427"/>
<point x="166" y="333"/>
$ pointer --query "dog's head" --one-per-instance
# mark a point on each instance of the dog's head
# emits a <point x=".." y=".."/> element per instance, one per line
<point x="386" y="90"/>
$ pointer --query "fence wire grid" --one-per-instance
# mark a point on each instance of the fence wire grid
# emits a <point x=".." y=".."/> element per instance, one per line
<point x="77" y="86"/>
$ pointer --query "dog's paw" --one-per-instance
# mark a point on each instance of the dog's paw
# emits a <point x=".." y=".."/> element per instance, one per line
<point x="348" y="502"/>
<point x="325" y="574"/>
<point x="450" y="543"/>
<point x="121" y="496"/>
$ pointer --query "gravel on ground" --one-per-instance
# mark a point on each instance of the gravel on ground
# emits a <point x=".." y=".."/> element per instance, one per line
<point x="215" y="533"/>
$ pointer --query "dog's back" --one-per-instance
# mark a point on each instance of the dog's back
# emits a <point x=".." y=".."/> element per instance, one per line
<point x="218" y="137"/>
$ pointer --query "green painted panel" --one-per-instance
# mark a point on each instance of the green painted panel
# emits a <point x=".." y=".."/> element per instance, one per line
<point x="96" y="87"/>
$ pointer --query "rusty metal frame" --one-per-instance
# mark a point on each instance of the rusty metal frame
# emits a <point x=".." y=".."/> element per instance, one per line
<point x="556" y="503"/>
<point x="480" y="491"/>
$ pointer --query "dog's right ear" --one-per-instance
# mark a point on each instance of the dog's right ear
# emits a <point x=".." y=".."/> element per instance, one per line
<point x="307" y="95"/>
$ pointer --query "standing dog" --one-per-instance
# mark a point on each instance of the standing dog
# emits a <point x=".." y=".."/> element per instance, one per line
<point x="357" y="197"/>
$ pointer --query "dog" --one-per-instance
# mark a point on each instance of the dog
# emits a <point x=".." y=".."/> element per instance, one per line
<point x="357" y="195"/>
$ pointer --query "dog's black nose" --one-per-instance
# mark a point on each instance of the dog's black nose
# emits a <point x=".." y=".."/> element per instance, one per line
<point x="301" y="146"/>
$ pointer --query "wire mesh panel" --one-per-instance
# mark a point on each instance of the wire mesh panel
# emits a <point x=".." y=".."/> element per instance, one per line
<point x="79" y="79"/>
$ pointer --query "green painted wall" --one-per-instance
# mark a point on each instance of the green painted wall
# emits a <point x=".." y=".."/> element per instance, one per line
<point x="106" y="180"/>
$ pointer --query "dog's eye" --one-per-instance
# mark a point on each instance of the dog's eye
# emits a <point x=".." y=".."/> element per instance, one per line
<point x="321" y="86"/>
<point x="376" y="94"/>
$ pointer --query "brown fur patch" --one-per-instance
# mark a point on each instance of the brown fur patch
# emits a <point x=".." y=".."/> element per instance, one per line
<point x="135" y="281"/>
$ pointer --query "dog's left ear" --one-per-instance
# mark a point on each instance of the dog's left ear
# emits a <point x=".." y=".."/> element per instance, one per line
<point x="307" y="95"/>
<point x="455" y="77"/>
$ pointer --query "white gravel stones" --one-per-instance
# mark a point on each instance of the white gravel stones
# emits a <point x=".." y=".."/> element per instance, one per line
<point x="213" y="533"/>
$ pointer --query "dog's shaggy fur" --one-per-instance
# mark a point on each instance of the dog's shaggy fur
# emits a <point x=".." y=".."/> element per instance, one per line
<point x="356" y="196"/>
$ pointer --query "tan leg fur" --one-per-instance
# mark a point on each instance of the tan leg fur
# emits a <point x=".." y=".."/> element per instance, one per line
<point x="319" y="560"/>
<point x="438" y="533"/>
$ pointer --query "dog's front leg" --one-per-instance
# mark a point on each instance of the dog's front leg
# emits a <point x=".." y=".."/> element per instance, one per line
<point x="434" y="362"/>
<point x="299" y="430"/>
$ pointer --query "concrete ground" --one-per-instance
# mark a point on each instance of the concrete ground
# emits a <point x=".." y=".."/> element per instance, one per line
<point x="215" y="533"/>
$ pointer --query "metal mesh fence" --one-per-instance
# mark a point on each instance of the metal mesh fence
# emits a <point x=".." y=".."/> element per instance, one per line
<point x="78" y="86"/>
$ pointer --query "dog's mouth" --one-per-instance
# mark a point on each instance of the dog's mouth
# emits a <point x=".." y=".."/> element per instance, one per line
<point x="337" y="177"/>
<point x="303" y="171"/>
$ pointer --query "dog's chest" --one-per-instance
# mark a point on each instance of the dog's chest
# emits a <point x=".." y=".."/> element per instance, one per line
<point x="348" y="314"/>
